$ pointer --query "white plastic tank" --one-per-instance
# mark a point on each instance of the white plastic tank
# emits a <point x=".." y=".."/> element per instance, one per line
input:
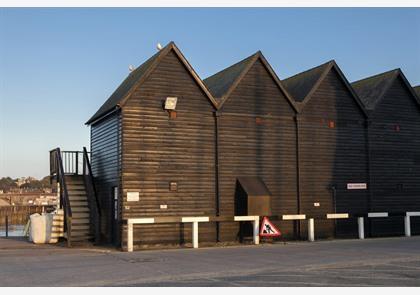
<point x="46" y="227"/>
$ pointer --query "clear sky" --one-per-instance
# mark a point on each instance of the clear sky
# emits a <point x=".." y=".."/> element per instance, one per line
<point x="57" y="66"/>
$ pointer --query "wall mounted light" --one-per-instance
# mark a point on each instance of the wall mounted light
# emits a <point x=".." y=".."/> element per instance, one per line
<point x="170" y="103"/>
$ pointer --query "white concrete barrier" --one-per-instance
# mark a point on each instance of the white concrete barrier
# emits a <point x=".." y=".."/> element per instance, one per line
<point x="337" y="215"/>
<point x="130" y="223"/>
<point x="311" y="230"/>
<point x="195" y="221"/>
<point x="377" y="214"/>
<point x="407" y="226"/>
<point x="407" y="222"/>
<point x="256" y="226"/>
<point x="294" y="217"/>
<point x="361" y="227"/>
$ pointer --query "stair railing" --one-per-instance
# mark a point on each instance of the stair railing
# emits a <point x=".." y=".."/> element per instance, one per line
<point x="93" y="202"/>
<point x="57" y="172"/>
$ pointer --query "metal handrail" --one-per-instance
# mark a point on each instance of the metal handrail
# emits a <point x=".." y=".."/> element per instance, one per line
<point x="95" y="216"/>
<point x="57" y="171"/>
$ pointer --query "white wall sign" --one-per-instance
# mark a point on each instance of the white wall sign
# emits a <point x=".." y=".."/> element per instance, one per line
<point x="133" y="196"/>
<point x="356" y="186"/>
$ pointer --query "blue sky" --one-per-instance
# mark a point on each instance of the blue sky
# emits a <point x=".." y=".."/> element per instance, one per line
<point x="57" y="66"/>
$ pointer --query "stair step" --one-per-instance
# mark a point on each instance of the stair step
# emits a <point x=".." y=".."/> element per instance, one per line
<point x="80" y="228"/>
<point x="79" y="204"/>
<point x="79" y="209"/>
<point x="77" y="198"/>
<point x="82" y="239"/>
<point x="83" y="220"/>
<point x="77" y="194"/>
<point x="80" y="231"/>
<point x="78" y="180"/>
<point x="78" y="215"/>
<point x="72" y="188"/>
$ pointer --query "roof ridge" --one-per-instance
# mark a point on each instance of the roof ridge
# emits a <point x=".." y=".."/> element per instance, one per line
<point x="138" y="76"/>
<point x="377" y="75"/>
<point x="301" y="84"/>
<point x="221" y="82"/>
<point x="233" y="65"/>
<point x="308" y="70"/>
<point x="372" y="89"/>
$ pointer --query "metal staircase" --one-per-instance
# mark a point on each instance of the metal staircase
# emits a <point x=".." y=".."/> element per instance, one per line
<point x="71" y="171"/>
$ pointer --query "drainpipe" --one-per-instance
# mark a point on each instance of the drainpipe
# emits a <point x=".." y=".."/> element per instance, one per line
<point x="217" y="172"/>
<point x="368" y="124"/>
<point x="334" y="199"/>
<point x="298" y="204"/>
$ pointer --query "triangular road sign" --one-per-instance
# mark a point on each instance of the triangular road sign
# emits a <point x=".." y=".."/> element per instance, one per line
<point x="268" y="229"/>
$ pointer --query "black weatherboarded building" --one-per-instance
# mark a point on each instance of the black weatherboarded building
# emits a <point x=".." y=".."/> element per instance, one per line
<point x="168" y="145"/>
<point x="256" y="138"/>
<point x="394" y="148"/>
<point x="331" y="148"/>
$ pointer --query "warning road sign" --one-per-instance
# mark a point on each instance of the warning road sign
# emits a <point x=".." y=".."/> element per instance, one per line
<point x="268" y="229"/>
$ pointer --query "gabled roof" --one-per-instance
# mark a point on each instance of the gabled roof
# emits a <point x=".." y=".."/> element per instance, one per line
<point x="372" y="89"/>
<point x="223" y="83"/>
<point x="139" y="75"/>
<point x="303" y="85"/>
<point x="220" y="83"/>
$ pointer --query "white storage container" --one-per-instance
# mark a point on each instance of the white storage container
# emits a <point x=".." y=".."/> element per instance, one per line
<point x="46" y="228"/>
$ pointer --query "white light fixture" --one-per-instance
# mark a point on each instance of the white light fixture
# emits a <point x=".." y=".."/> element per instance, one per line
<point x="170" y="103"/>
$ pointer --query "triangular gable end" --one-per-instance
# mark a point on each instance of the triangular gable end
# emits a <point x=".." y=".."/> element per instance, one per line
<point x="349" y="88"/>
<point x="331" y="65"/>
<point x="389" y="79"/>
<point x="372" y="89"/>
<point x="258" y="56"/>
<point x="140" y="75"/>
<point x="186" y="64"/>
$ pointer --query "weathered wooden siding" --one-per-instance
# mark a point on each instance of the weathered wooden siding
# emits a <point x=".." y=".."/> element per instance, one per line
<point x="105" y="159"/>
<point x="395" y="159"/>
<point x="332" y="156"/>
<point x="158" y="150"/>
<point x="257" y="137"/>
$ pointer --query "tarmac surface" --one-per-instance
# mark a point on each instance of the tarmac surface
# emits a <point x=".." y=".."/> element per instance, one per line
<point x="371" y="262"/>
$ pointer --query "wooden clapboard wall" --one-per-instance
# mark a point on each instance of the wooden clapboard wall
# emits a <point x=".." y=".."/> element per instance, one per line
<point x="301" y="150"/>
<point x="105" y="141"/>
<point x="332" y="153"/>
<point x="257" y="137"/>
<point x="395" y="151"/>
<point x="158" y="150"/>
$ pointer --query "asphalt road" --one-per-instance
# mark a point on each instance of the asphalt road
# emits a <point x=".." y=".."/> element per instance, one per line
<point x="371" y="262"/>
